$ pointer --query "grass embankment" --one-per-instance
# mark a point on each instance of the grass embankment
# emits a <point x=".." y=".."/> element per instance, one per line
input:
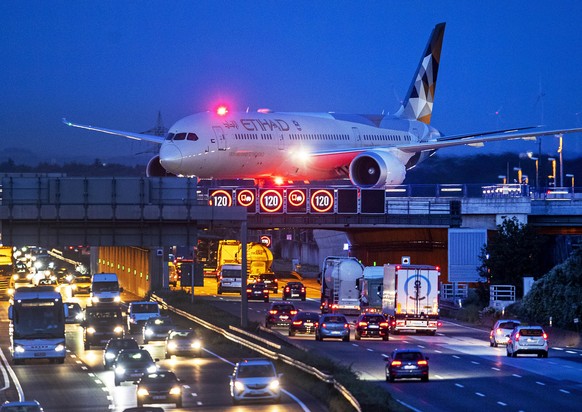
<point x="370" y="395"/>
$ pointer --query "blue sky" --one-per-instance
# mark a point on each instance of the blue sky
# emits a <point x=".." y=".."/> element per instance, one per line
<point x="116" y="64"/>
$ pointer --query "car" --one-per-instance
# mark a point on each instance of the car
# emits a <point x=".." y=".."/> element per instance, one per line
<point x="294" y="290"/>
<point x="139" y="312"/>
<point x="113" y="347"/>
<point x="144" y="409"/>
<point x="255" y="379"/>
<point x="81" y="285"/>
<point x="132" y="364"/>
<point x="303" y="323"/>
<point x="270" y="280"/>
<point x="501" y="330"/>
<point x="159" y="387"/>
<point x="75" y="314"/>
<point x="407" y="363"/>
<point x="257" y="291"/>
<point x="21" y="406"/>
<point x="101" y="324"/>
<point x="157" y="328"/>
<point x="371" y="325"/>
<point x="332" y="325"/>
<point x="528" y="339"/>
<point x="280" y="314"/>
<point x="182" y="342"/>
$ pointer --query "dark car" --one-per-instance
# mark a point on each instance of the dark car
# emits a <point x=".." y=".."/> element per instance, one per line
<point x="157" y="328"/>
<point x="159" y="387"/>
<point x="101" y="324"/>
<point x="280" y="314"/>
<point x="132" y="364"/>
<point x="294" y="290"/>
<point x="75" y="314"/>
<point x="183" y="342"/>
<point x="332" y="325"/>
<point x="407" y="363"/>
<point x="370" y="325"/>
<point x="303" y="323"/>
<point x="257" y="291"/>
<point x="114" y="346"/>
<point x="270" y="280"/>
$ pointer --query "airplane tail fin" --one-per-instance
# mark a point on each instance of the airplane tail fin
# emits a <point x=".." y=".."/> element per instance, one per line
<point x="420" y="97"/>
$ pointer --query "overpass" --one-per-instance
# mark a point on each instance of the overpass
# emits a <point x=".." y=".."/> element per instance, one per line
<point x="146" y="214"/>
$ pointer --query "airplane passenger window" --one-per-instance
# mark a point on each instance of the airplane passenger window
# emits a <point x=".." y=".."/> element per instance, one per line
<point x="180" y="136"/>
<point x="192" y="136"/>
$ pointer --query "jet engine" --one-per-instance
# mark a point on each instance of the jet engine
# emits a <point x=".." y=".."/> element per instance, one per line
<point x="375" y="169"/>
<point x="155" y="168"/>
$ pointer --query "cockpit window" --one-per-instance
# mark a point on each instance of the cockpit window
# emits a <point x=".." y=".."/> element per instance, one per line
<point x="170" y="136"/>
<point x="180" y="136"/>
<point x="192" y="136"/>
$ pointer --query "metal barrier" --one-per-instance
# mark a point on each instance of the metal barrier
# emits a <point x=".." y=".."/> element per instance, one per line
<point x="267" y="352"/>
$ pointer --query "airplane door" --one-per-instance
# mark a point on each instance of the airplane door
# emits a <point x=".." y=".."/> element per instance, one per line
<point x="357" y="137"/>
<point x="281" y="141"/>
<point x="220" y="138"/>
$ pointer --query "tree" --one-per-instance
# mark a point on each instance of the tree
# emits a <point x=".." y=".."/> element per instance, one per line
<point x="514" y="251"/>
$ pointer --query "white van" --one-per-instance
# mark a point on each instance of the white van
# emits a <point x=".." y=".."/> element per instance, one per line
<point x="230" y="279"/>
<point x="105" y="289"/>
<point x="139" y="312"/>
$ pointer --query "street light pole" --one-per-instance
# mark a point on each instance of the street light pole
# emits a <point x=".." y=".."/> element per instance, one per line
<point x="551" y="159"/>
<point x="559" y="136"/>
<point x="530" y="155"/>
<point x="571" y="176"/>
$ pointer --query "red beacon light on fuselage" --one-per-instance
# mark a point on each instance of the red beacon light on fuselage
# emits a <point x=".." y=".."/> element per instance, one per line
<point x="221" y="110"/>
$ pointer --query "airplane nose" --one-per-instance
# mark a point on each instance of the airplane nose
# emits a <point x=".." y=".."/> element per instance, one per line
<point x="171" y="158"/>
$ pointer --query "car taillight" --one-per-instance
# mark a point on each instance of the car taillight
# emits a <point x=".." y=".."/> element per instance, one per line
<point x="383" y="324"/>
<point x="363" y="324"/>
<point x="293" y="312"/>
<point x="273" y="312"/>
<point x="287" y="289"/>
<point x="297" y="322"/>
<point x="346" y="326"/>
<point x="439" y="324"/>
<point x="499" y="331"/>
<point x="422" y="362"/>
<point x="302" y="289"/>
<point x="323" y="325"/>
<point x="396" y="363"/>
<point x="393" y="323"/>
<point x="248" y="291"/>
<point x="517" y="337"/>
<point x="545" y="336"/>
<point x="265" y="291"/>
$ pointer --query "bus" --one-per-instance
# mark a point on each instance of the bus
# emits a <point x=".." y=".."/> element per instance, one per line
<point x="37" y="324"/>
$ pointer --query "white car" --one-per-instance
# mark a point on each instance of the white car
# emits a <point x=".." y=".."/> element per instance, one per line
<point x="528" y="339"/>
<point x="501" y="330"/>
<point x="255" y="379"/>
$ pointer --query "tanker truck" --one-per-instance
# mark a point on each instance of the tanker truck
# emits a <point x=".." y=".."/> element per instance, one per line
<point x="410" y="298"/>
<point x="339" y="285"/>
<point x="259" y="257"/>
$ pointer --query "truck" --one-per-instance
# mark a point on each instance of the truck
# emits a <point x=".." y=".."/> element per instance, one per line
<point x="370" y="287"/>
<point x="410" y="298"/>
<point x="100" y="324"/>
<point x="37" y="324"/>
<point x="339" y="285"/>
<point x="259" y="257"/>
<point x="6" y="262"/>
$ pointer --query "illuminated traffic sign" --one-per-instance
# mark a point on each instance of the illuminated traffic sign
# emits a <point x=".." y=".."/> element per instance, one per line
<point x="322" y="201"/>
<point x="271" y="200"/>
<point x="347" y="200"/>
<point x="220" y="197"/>
<point x="266" y="240"/>
<point x="296" y="200"/>
<point x="247" y="198"/>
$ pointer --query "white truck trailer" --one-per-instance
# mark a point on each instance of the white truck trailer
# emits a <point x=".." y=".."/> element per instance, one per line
<point x="410" y="298"/>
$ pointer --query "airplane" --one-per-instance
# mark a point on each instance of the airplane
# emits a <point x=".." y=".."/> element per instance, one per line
<point x="373" y="151"/>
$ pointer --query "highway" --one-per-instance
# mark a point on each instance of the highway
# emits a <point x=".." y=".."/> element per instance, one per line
<point x="82" y="384"/>
<point x="465" y="372"/>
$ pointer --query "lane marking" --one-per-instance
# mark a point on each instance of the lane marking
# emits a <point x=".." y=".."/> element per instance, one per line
<point x="456" y="357"/>
<point x="438" y="351"/>
<point x="13" y="376"/>
<point x="541" y="383"/>
<point x="479" y="394"/>
<point x="564" y="391"/>
<point x="475" y="362"/>
<point x="496" y="369"/>
<point x="501" y="403"/>
<point x="370" y="350"/>
<point x="459" y="385"/>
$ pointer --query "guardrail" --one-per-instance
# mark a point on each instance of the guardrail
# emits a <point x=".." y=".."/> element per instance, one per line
<point x="261" y="349"/>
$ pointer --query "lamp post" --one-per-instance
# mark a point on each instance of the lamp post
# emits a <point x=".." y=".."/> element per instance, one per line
<point x="530" y="155"/>
<point x="571" y="176"/>
<point x="503" y="177"/>
<point x="560" y="147"/>
<point x="553" y="176"/>
<point x="518" y="170"/>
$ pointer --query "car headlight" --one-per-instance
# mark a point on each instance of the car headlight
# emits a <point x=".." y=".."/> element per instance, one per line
<point x="14" y="277"/>
<point x="149" y="332"/>
<point x="109" y="355"/>
<point x="176" y="390"/>
<point x="79" y="316"/>
<point x="274" y="384"/>
<point x="74" y="287"/>
<point x="172" y="345"/>
<point x="196" y="344"/>
<point x="120" y="370"/>
<point x="239" y="386"/>
<point x="142" y="392"/>
<point x="117" y="299"/>
<point x="90" y="330"/>
<point x="59" y="348"/>
<point x="152" y="369"/>
<point x="19" y="349"/>
<point x="95" y="299"/>
<point x="118" y="329"/>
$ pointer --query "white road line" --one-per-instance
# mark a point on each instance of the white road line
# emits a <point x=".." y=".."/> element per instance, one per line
<point x="496" y="369"/>
<point x="438" y="376"/>
<point x="438" y="351"/>
<point x="13" y="376"/>
<point x="501" y="403"/>
<point x="459" y="385"/>
<point x="456" y="357"/>
<point x="475" y="363"/>
<point x="570" y="351"/>
<point x="541" y="383"/>
<point x="516" y="375"/>
<point x="370" y="350"/>
<point x="479" y="394"/>
<point x="420" y="346"/>
<point x="564" y="391"/>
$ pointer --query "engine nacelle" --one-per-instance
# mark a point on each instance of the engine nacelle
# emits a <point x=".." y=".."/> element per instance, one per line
<point x="155" y="168"/>
<point x="374" y="169"/>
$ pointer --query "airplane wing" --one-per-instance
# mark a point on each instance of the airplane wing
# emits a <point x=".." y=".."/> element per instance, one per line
<point x="479" y="138"/>
<point x="129" y="135"/>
